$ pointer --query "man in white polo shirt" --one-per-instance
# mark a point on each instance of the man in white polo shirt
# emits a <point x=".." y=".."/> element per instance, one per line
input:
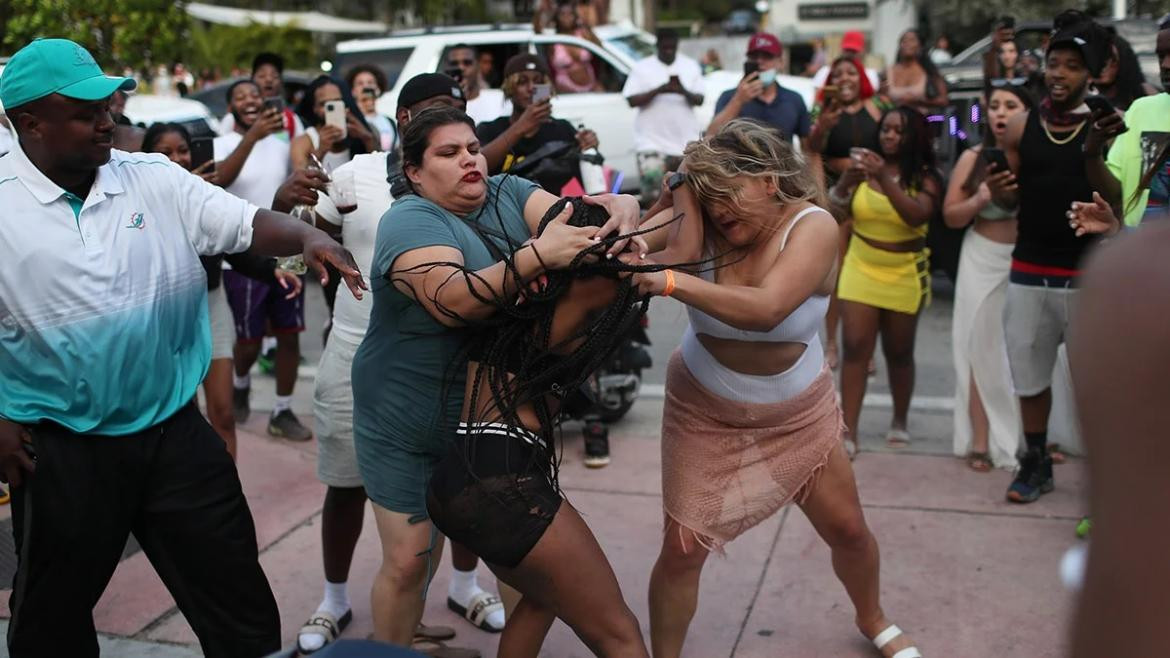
<point x="665" y="88"/>
<point x="101" y="353"/>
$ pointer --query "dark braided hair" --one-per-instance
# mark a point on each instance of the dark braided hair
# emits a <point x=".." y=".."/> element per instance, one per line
<point x="916" y="160"/>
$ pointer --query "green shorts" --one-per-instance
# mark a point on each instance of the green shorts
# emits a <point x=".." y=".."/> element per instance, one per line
<point x="395" y="475"/>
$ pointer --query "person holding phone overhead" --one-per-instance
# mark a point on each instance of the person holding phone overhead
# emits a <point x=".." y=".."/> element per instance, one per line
<point x="987" y="414"/>
<point x="760" y="97"/>
<point x="336" y="130"/>
<point x="531" y="130"/>
<point x="366" y="83"/>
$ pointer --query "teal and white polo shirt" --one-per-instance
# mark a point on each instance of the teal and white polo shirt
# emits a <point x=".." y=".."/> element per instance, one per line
<point x="103" y="314"/>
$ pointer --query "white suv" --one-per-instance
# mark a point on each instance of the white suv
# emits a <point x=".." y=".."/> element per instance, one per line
<point x="405" y="54"/>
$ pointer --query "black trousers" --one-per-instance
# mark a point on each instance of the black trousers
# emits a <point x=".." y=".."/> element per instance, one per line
<point x="176" y="488"/>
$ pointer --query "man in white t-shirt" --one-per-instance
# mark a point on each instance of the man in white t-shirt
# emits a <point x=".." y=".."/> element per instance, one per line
<point x="852" y="45"/>
<point x="665" y="89"/>
<point x="252" y="162"/>
<point x="483" y="103"/>
<point x="345" y="498"/>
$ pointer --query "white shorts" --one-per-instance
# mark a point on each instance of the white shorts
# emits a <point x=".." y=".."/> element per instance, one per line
<point x="223" y="328"/>
<point x="333" y="416"/>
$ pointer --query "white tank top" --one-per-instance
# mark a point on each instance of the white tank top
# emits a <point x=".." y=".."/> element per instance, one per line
<point x="801" y="325"/>
<point x="331" y="160"/>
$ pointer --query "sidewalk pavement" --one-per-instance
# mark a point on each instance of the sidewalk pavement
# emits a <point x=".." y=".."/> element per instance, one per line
<point x="961" y="569"/>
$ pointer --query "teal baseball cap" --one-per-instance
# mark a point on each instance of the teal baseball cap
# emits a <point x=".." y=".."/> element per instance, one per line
<point x="56" y="66"/>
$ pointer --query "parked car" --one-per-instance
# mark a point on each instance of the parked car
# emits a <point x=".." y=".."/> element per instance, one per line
<point x="405" y="54"/>
<point x="146" y="109"/>
<point x="741" y="21"/>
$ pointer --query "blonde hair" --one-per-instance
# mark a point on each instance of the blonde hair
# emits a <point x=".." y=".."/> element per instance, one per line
<point x="716" y="166"/>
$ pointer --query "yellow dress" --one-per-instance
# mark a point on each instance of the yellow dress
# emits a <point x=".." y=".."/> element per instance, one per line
<point x="876" y="277"/>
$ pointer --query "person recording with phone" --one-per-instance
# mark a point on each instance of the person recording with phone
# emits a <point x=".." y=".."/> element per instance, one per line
<point x="665" y="89"/>
<point x="366" y="83"/>
<point x="335" y="128"/>
<point x="987" y="415"/>
<point x="759" y="96"/>
<point x="846" y="117"/>
<point x="252" y="162"/>
<point x="268" y="74"/>
<point x="531" y="130"/>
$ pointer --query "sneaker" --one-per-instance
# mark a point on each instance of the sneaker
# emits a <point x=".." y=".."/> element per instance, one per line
<point x="1033" y="478"/>
<point x="596" y="444"/>
<point x="241" y="408"/>
<point x="286" y="424"/>
<point x="267" y="361"/>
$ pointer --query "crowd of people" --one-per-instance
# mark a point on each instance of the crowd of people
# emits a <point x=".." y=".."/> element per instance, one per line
<point x="487" y="273"/>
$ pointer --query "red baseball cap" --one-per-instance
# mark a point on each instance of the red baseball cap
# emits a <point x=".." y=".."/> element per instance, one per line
<point x="854" y="41"/>
<point x="762" y="42"/>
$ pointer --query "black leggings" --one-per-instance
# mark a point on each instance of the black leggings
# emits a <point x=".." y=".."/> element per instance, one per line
<point x="493" y="492"/>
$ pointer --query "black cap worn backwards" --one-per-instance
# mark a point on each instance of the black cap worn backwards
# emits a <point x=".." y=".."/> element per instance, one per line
<point x="428" y="85"/>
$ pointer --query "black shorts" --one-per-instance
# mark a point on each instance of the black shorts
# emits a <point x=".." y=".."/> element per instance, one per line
<point x="493" y="492"/>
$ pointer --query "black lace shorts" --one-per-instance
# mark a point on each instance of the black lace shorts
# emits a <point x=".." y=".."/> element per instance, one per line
<point x="493" y="493"/>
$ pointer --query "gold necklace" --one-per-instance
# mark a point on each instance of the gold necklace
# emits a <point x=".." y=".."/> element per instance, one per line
<point x="1066" y="140"/>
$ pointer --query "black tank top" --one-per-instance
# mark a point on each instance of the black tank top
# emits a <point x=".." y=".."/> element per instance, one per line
<point x="1051" y="177"/>
<point x="859" y="129"/>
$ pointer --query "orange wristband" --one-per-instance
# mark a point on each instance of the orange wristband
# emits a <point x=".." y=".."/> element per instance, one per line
<point x="669" y="283"/>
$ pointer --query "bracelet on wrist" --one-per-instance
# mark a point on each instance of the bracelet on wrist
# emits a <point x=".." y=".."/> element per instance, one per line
<point x="669" y="289"/>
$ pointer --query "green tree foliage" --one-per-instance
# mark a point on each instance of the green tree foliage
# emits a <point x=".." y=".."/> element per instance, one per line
<point x="223" y="47"/>
<point x="119" y="33"/>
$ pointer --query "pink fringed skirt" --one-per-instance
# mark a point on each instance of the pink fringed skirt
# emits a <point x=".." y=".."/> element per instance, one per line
<point x="728" y="465"/>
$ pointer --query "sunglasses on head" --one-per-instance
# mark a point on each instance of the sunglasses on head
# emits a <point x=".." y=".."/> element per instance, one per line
<point x="1008" y="82"/>
<point x="460" y="62"/>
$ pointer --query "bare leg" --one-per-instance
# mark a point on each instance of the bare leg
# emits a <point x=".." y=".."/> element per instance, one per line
<point x="463" y="559"/>
<point x="566" y="574"/>
<point x="859" y="325"/>
<point x="288" y="356"/>
<point x="674" y="590"/>
<point x="341" y="526"/>
<point x="1035" y="409"/>
<point x="980" y="425"/>
<point x="834" y="510"/>
<point x="528" y="625"/>
<point x="898" y="331"/>
<point x="396" y="599"/>
<point x="244" y="355"/>
<point x="217" y="387"/>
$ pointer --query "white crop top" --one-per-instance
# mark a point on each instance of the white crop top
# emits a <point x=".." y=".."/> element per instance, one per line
<point x="801" y="326"/>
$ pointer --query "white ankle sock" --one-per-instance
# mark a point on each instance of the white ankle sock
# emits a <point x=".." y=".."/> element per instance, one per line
<point x="283" y="402"/>
<point x="464" y="585"/>
<point x="241" y="382"/>
<point x="336" y="603"/>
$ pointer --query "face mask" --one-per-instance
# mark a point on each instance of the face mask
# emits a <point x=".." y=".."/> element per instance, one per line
<point x="768" y="77"/>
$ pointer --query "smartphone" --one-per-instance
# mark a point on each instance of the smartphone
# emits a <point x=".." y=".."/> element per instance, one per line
<point x="335" y="116"/>
<point x="1099" y="105"/>
<point x="830" y="93"/>
<point x="370" y="92"/>
<point x="541" y="93"/>
<point x="275" y="103"/>
<point x="749" y="68"/>
<point x="857" y="153"/>
<point x="202" y="152"/>
<point x="996" y="157"/>
<point x="454" y="72"/>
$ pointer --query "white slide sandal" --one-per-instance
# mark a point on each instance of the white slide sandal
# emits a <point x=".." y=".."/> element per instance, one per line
<point x="888" y="635"/>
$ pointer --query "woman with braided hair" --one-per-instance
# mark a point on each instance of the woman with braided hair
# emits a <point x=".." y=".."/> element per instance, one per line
<point x="751" y="421"/>
<point x="450" y="257"/>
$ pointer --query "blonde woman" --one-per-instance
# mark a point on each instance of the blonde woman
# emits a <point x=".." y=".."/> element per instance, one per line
<point x="987" y="414"/>
<point x="751" y="421"/>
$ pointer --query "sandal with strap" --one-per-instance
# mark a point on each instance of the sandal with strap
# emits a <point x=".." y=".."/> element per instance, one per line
<point x="326" y="625"/>
<point x="477" y="610"/>
<point x="889" y="635"/>
<point x="424" y="632"/>
<point x="980" y="462"/>
<point x="438" y="649"/>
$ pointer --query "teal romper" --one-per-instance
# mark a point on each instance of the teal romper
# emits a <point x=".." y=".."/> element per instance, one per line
<point x="410" y="371"/>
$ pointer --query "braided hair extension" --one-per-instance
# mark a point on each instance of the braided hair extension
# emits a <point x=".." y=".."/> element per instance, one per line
<point x="520" y="364"/>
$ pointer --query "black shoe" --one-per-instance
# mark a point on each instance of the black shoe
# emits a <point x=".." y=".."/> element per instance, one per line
<point x="286" y="424"/>
<point x="241" y="408"/>
<point x="1033" y="479"/>
<point x="596" y="444"/>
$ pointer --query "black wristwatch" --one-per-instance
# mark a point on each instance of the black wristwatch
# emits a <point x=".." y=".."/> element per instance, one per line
<point x="676" y="180"/>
